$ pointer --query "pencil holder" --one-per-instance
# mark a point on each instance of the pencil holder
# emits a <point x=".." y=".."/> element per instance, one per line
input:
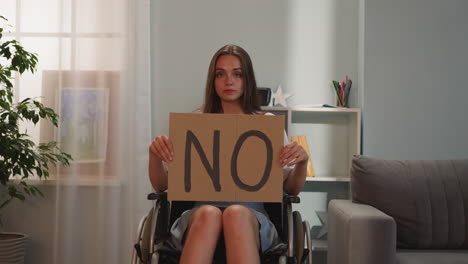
<point x="342" y="90"/>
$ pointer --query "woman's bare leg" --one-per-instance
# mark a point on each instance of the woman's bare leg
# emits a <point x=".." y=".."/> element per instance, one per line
<point x="241" y="235"/>
<point x="202" y="235"/>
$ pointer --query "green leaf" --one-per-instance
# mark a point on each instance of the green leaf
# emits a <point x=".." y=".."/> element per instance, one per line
<point x="5" y="203"/>
<point x="16" y="171"/>
<point x="6" y="52"/>
<point x="43" y="146"/>
<point x="38" y="191"/>
<point x="26" y="100"/>
<point x="39" y="172"/>
<point x="20" y="196"/>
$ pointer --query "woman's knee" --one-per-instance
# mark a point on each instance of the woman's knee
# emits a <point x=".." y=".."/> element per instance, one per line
<point x="207" y="215"/>
<point x="238" y="216"/>
<point x="240" y="224"/>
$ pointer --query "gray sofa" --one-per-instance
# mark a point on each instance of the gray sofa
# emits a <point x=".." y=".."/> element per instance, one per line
<point x="401" y="212"/>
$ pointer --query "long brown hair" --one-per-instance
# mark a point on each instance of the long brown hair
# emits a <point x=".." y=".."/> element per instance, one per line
<point x="249" y="100"/>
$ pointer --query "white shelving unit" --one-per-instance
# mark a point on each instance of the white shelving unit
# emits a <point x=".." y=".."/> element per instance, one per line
<point x="333" y="136"/>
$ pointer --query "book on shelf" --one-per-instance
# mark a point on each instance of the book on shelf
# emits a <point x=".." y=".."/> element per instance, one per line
<point x="302" y="140"/>
<point x="316" y="106"/>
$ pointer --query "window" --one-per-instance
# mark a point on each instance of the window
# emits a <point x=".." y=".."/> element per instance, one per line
<point x="79" y="46"/>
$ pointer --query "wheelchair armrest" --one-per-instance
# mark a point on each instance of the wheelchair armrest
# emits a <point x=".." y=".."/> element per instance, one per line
<point x="289" y="199"/>
<point x="158" y="196"/>
<point x="160" y="223"/>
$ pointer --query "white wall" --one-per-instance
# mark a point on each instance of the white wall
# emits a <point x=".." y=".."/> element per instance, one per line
<point x="186" y="34"/>
<point x="415" y="70"/>
<point x="321" y="46"/>
<point x="301" y="44"/>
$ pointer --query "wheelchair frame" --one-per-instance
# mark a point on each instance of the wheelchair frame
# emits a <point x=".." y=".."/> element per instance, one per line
<point x="157" y="223"/>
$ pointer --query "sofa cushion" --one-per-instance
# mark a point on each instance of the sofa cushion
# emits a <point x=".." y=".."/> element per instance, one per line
<point x="432" y="256"/>
<point x="427" y="199"/>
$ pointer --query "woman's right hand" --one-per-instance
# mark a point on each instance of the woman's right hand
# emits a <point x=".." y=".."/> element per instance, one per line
<point x="162" y="147"/>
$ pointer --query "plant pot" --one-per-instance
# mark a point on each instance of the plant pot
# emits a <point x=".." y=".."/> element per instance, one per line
<point x="12" y="247"/>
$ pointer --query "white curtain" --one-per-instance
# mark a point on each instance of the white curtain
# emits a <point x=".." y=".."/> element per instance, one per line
<point x="94" y="70"/>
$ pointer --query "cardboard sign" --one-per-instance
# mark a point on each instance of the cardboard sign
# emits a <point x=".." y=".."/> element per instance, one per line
<point x="221" y="157"/>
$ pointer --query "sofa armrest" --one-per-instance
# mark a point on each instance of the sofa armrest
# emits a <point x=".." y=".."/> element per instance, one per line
<point x="359" y="234"/>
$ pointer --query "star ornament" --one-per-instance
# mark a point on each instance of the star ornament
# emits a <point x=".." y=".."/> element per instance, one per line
<point x="279" y="98"/>
<point x="323" y="217"/>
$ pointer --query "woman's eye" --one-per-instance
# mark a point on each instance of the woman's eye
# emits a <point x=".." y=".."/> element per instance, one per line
<point x="219" y="74"/>
<point x="238" y="74"/>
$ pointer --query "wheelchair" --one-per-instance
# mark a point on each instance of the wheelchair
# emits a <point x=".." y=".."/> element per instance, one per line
<point x="154" y="231"/>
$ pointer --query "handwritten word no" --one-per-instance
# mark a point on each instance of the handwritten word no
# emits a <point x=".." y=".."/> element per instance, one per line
<point x="213" y="170"/>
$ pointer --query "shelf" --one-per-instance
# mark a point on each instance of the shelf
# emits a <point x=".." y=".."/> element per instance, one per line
<point x="319" y="245"/>
<point x="326" y="109"/>
<point x="275" y="108"/>
<point x="333" y="136"/>
<point x="312" y="109"/>
<point x="328" y="179"/>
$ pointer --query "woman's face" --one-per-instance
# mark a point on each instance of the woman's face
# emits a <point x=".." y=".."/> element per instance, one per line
<point x="229" y="79"/>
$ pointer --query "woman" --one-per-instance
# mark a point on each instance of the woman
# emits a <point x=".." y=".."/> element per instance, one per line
<point x="230" y="89"/>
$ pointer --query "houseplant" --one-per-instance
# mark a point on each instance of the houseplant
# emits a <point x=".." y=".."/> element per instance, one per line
<point x="20" y="157"/>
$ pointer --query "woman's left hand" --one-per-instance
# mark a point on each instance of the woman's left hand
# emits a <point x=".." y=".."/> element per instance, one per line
<point x="292" y="154"/>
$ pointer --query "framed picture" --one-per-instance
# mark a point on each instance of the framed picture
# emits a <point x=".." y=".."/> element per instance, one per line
<point x="82" y="130"/>
<point x="86" y="102"/>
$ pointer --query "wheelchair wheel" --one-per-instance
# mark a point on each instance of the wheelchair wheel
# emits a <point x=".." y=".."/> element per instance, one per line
<point x="308" y="241"/>
<point x="298" y="236"/>
<point x="135" y="255"/>
<point x="142" y="248"/>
